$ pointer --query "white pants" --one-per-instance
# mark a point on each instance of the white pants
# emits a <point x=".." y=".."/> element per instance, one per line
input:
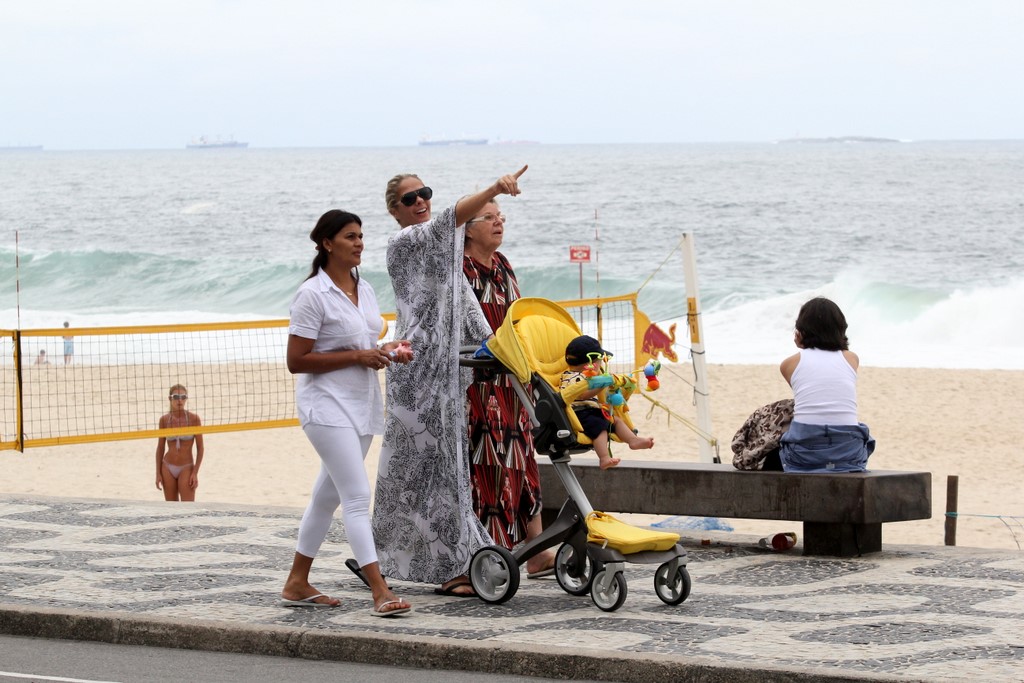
<point x="342" y="480"/>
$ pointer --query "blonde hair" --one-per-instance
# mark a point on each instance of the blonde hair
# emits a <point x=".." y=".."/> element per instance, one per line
<point x="177" y="386"/>
<point x="391" y="191"/>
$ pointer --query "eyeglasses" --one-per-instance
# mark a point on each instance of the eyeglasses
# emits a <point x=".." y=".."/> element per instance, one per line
<point x="178" y="397"/>
<point x="409" y="198"/>
<point x="488" y="218"/>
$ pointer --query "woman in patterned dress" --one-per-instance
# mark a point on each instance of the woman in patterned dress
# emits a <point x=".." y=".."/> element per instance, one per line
<point x="423" y="512"/>
<point x="506" y="483"/>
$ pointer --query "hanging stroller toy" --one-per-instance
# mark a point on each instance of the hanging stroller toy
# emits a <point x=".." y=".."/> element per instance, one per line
<point x="593" y="546"/>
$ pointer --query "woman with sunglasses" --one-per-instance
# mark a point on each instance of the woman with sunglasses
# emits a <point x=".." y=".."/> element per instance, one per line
<point x="423" y="516"/>
<point x="176" y="474"/>
<point x="503" y="469"/>
<point x="332" y="346"/>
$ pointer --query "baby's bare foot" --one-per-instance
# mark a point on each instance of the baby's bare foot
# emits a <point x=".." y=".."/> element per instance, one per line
<point x="641" y="443"/>
<point x="609" y="462"/>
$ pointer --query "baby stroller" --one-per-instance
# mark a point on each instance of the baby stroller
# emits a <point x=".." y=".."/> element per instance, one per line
<point x="593" y="547"/>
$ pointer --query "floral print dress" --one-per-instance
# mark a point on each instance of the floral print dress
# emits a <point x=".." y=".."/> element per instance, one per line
<point x="423" y="520"/>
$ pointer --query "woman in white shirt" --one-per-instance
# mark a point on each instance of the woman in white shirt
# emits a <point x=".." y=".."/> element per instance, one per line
<point x="825" y="434"/>
<point x="332" y="346"/>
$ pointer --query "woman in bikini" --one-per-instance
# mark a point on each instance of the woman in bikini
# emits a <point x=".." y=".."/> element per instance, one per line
<point x="176" y="474"/>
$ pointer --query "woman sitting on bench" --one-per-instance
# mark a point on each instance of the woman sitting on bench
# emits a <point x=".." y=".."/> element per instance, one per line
<point x="825" y="435"/>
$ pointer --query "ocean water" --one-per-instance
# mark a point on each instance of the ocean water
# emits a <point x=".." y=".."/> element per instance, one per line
<point x="920" y="243"/>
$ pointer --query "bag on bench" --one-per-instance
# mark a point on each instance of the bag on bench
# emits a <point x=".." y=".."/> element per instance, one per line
<point x="756" y="444"/>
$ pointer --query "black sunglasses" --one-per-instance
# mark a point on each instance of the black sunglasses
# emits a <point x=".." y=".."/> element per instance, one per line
<point x="409" y="198"/>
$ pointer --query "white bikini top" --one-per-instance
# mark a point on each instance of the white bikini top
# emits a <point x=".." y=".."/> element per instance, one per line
<point x="181" y="437"/>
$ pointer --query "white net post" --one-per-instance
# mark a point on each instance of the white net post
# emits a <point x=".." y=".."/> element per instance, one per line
<point x="706" y="450"/>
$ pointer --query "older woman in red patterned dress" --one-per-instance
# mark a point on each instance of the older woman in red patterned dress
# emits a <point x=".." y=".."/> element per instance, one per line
<point x="506" y="484"/>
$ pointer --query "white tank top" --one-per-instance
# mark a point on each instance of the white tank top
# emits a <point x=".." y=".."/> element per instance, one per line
<point x="824" y="389"/>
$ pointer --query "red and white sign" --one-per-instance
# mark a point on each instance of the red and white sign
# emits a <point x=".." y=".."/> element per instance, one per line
<point x="579" y="253"/>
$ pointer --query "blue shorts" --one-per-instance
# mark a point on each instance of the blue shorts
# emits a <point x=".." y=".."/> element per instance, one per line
<point x="593" y="421"/>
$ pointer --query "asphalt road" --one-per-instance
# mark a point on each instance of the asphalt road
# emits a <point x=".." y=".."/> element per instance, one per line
<point x="68" y="661"/>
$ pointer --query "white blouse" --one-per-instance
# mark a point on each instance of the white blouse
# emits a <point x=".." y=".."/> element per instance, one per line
<point x="350" y="396"/>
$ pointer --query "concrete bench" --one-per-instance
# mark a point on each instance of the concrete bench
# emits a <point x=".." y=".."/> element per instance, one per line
<point x="842" y="513"/>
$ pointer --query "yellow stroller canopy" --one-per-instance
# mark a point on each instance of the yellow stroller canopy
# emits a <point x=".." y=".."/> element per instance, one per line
<point x="533" y="339"/>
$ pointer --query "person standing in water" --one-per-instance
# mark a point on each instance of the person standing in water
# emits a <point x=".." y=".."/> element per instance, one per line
<point x="69" y="346"/>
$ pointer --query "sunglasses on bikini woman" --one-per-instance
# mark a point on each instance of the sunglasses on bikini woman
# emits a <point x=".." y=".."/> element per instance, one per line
<point x="409" y="198"/>
<point x="178" y="397"/>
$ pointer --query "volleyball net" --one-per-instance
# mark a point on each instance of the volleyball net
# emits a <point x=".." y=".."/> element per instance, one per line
<point x="78" y="385"/>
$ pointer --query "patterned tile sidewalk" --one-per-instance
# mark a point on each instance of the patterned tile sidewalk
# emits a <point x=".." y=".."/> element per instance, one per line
<point x="908" y="613"/>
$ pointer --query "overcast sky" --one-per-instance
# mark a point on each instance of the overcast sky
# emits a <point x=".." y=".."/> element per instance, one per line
<point x="96" y="74"/>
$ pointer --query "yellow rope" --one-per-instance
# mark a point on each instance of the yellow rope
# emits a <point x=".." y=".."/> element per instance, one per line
<point x="710" y="438"/>
<point x="672" y="414"/>
<point x="660" y="266"/>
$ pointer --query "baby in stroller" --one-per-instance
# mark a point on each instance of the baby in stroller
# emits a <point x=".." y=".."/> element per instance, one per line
<point x="533" y="345"/>
<point x="585" y="359"/>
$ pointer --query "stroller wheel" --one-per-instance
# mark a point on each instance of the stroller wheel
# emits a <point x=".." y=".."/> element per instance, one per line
<point x="608" y="591"/>
<point x="672" y="590"/>
<point x="494" y="573"/>
<point x="573" y="570"/>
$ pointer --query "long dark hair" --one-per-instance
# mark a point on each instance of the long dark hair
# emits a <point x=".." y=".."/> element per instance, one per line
<point x="329" y="225"/>
<point x="822" y="325"/>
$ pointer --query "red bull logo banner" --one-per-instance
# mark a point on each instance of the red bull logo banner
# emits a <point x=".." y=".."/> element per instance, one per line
<point x="652" y="341"/>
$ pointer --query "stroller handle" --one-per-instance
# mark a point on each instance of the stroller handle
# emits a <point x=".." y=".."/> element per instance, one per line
<point x="467" y="360"/>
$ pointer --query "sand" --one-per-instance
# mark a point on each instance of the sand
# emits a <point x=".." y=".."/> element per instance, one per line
<point x="949" y="422"/>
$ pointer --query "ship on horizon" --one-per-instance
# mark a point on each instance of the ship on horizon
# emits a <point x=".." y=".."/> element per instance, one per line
<point x="429" y="141"/>
<point x="500" y="141"/>
<point x="843" y="139"/>
<point x="203" y="142"/>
